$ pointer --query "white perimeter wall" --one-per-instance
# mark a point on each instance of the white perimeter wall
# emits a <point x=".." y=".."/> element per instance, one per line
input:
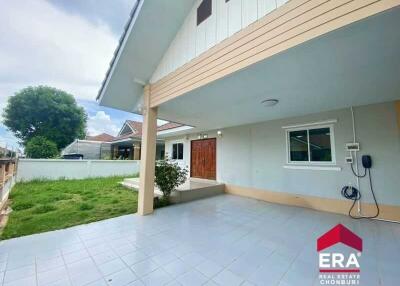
<point x="30" y="169"/>
<point x="255" y="155"/>
<point x="226" y="19"/>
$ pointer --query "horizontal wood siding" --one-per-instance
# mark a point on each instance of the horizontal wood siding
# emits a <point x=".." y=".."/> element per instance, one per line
<point x="294" y="23"/>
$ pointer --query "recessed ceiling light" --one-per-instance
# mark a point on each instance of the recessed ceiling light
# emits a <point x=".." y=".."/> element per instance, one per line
<point x="269" y="102"/>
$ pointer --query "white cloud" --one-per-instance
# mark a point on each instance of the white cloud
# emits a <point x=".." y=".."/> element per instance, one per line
<point x="42" y="44"/>
<point x="101" y="123"/>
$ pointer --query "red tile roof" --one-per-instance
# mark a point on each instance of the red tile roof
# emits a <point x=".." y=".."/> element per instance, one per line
<point x="103" y="137"/>
<point x="136" y="126"/>
<point x="169" y="125"/>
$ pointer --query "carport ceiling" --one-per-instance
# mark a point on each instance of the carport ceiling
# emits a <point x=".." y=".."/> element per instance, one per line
<point x="355" y="65"/>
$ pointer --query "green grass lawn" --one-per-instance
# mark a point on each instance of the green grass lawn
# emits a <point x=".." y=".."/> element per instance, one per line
<point x="41" y="206"/>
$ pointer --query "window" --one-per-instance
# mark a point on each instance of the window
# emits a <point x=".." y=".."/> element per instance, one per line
<point x="177" y="151"/>
<point x="204" y="11"/>
<point x="311" y="145"/>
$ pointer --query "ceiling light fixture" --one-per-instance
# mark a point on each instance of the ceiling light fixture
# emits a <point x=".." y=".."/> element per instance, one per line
<point x="269" y="102"/>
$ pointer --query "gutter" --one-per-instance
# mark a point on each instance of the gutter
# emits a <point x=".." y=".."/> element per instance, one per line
<point x="122" y="41"/>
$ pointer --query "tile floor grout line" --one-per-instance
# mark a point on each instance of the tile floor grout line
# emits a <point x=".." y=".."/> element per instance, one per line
<point x="36" y="274"/>
<point x="5" y="270"/>
<point x="91" y="258"/>
<point x="66" y="267"/>
<point x="130" y="269"/>
<point x="299" y="252"/>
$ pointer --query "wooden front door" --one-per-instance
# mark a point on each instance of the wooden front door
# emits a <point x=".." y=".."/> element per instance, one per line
<point x="203" y="159"/>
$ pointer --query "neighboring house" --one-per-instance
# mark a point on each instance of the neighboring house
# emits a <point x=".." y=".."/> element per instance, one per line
<point x="91" y="148"/>
<point x="125" y="146"/>
<point x="274" y="90"/>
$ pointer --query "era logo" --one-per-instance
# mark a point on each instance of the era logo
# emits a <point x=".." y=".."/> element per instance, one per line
<point x="338" y="262"/>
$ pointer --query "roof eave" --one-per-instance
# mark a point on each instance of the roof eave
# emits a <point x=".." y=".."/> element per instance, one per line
<point x="122" y="42"/>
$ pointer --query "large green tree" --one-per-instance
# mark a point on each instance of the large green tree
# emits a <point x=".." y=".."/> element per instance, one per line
<point x="47" y="112"/>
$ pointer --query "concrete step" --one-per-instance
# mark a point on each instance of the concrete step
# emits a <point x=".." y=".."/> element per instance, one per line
<point x="133" y="183"/>
<point x="192" y="189"/>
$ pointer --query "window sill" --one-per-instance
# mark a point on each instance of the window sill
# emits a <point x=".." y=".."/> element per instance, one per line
<point x="315" y="168"/>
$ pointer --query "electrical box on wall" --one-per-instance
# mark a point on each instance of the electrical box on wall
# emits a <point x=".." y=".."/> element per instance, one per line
<point x="349" y="160"/>
<point x="352" y="146"/>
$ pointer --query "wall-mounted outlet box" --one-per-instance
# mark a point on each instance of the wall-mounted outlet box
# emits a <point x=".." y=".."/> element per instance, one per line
<point x="349" y="160"/>
<point x="352" y="147"/>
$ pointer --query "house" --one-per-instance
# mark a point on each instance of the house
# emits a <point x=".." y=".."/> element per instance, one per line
<point x="285" y="97"/>
<point x="125" y="146"/>
<point x="92" y="147"/>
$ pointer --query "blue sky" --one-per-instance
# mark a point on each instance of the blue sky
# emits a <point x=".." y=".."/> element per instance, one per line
<point x="67" y="44"/>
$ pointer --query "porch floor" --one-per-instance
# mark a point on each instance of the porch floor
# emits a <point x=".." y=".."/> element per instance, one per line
<point x="223" y="240"/>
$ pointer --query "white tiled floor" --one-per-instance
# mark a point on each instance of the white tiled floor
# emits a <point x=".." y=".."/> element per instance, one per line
<point x="224" y="240"/>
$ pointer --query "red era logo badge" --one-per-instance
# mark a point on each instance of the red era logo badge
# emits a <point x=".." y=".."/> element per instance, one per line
<point x="338" y="262"/>
<point x="339" y="234"/>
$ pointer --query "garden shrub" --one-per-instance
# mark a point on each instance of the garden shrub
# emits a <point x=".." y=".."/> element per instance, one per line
<point x="169" y="175"/>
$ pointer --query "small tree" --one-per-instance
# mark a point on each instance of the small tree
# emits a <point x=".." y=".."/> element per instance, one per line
<point x="41" y="148"/>
<point x="169" y="176"/>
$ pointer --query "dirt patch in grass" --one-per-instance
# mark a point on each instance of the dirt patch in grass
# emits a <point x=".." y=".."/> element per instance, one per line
<point x="41" y="206"/>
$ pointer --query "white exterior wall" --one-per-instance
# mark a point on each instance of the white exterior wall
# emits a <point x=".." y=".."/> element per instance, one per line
<point x="186" y="150"/>
<point x="53" y="169"/>
<point x="255" y="155"/>
<point x="225" y="20"/>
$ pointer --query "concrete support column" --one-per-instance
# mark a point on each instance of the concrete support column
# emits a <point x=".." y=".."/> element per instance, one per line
<point x="148" y="156"/>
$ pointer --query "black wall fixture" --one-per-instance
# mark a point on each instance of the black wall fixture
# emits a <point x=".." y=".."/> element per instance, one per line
<point x="204" y="11"/>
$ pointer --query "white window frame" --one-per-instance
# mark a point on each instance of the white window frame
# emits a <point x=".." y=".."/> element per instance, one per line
<point x="308" y="127"/>
<point x="177" y="150"/>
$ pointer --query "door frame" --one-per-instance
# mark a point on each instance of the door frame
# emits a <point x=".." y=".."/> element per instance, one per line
<point x="191" y="148"/>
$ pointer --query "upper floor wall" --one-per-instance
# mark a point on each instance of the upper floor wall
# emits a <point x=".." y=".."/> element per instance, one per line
<point x="227" y="18"/>
<point x="292" y="24"/>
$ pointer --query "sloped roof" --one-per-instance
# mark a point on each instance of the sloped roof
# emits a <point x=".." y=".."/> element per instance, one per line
<point x="169" y="125"/>
<point x="138" y="54"/>
<point x="137" y="127"/>
<point x="103" y="137"/>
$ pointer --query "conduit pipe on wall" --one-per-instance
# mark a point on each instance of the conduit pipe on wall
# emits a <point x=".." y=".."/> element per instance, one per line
<point x="358" y="179"/>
